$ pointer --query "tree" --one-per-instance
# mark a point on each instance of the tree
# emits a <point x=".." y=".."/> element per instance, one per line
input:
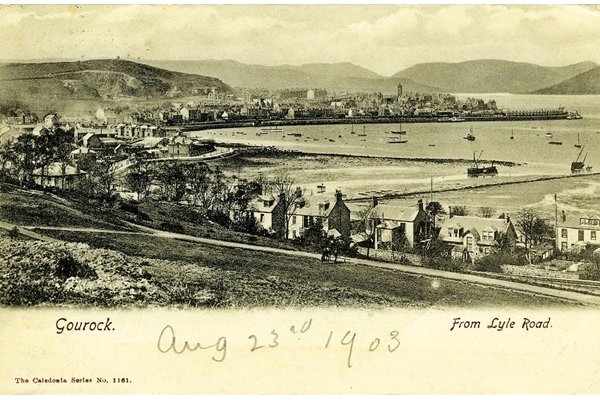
<point x="241" y="196"/>
<point x="198" y="180"/>
<point x="460" y="210"/>
<point x="101" y="173"/>
<point x="283" y="186"/>
<point x="534" y="226"/>
<point x="171" y="178"/>
<point x="434" y="209"/>
<point x="139" y="178"/>
<point x="486" y="212"/>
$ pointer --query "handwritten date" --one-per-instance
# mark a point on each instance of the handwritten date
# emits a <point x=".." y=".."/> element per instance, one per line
<point x="167" y="342"/>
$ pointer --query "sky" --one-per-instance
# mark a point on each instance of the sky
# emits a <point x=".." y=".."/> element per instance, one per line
<point x="383" y="38"/>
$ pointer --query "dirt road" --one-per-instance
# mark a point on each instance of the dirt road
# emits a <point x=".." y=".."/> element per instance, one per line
<point x="474" y="279"/>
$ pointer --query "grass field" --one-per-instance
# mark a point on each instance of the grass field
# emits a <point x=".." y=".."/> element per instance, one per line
<point x="246" y="268"/>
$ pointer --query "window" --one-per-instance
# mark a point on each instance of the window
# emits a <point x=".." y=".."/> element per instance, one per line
<point x="294" y="220"/>
<point x="594" y="221"/>
<point x="593" y="235"/>
<point x="580" y="236"/>
<point x="563" y="246"/>
<point x="564" y="233"/>
<point x="262" y="217"/>
<point x="469" y="243"/>
<point x="583" y="221"/>
<point x="306" y="221"/>
<point x="450" y="232"/>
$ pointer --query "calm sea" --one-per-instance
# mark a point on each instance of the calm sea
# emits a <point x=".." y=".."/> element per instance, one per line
<point x="530" y="144"/>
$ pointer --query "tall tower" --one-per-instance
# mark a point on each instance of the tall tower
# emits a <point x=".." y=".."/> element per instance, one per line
<point x="399" y="90"/>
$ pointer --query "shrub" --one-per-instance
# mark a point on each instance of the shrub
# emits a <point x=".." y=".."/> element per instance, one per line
<point x="592" y="273"/>
<point x="494" y="262"/>
<point x="67" y="266"/>
<point x="442" y="263"/>
<point x="172" y="227"/>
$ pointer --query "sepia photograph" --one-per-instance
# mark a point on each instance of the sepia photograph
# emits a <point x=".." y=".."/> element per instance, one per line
<point x="300" y="199"/>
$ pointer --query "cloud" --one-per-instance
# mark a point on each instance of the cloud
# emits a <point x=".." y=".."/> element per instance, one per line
<point x="383" y="38"/>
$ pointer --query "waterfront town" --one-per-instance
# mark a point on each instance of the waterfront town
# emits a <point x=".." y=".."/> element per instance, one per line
<point x="127" y="160"/>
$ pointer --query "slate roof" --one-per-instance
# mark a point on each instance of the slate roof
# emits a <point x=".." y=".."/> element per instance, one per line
<point x="474" y="225"/>
<point x="395" y="213"/>
<point x="258" y="204"/>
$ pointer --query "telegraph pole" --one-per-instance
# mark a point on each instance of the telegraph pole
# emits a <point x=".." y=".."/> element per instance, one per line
<point x="555" y="211"/>
<point x="431" y="191"/>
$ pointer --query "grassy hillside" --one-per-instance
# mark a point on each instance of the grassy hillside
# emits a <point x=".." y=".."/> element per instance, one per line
<point x="585" y="83"/>
<point x="99" y="79"/>
<point x="491" y="76"/>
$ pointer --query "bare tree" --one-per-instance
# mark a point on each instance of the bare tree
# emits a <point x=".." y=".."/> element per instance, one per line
<point x="198" y="180"/>
<point x="534" y="225"/>
<point x="283" y="187"/>
<point x="139" y="178"/>
<point x="486" y="212"/>
<point x="460" y="210"/>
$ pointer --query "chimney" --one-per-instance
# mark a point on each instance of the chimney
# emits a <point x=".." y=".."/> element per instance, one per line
<point x="449" y="211"/>
<point x="338" y="195"/>
<point x="507" y="218"/>
<point x="374" y="202"/>
<point x="298" y="192"/>
<point x="420" y="204"/>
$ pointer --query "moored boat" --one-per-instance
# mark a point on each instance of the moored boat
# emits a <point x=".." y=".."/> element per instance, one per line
<point x="470" y="136"/>
<point x="578" y="166"/>
<point x="477" y="170"/>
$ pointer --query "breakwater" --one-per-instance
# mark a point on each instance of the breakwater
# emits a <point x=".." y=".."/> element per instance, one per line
<point x="362" y="120"/>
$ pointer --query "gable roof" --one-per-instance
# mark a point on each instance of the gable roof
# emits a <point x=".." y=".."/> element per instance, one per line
<point x="258" y="204"/>
<point x="394" y="213"/>
<point x="474" y="225"/>
<point x="315" y="205"/>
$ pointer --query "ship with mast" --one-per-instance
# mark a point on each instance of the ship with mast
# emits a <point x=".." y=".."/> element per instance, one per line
<point x="578" y="166"/>
<point x="477" y="170"/>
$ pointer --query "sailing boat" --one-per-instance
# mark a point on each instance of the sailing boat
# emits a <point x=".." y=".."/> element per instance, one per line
<point x="400" y="131"/>
<point x="578" y="145"/>
<point x="363" y="134"/>
<point x="512" y="133"/>
<point x="352" y="132"/>
<point x="470" y="136"/>
<point x="577" y="166"/>
<point x="396" y="139"/>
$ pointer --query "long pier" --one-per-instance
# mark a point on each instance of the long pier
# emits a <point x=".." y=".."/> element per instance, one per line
<point x="533" y="116"/>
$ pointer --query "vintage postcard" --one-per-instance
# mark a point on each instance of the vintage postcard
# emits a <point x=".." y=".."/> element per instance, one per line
<point x="299" y="199"/>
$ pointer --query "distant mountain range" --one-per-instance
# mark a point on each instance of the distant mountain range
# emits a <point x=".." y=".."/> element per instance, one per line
<point x="99" y="79"/>
<point x="491" y="76"/>
<point x="585" y="83"/>
<point x="339" y="77"/>
<point x="102" y="79"/>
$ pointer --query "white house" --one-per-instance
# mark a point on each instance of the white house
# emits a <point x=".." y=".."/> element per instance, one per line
<point x="391" y="222"/>
<point x="578" y="230"/>
<point x="474" y="237"/>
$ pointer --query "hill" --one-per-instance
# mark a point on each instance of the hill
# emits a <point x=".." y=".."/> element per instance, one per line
<point x="99" y="79"/>
<point x="491" y="76"/>
<point x="341" y="77"/>
<point x="585" y="83"/>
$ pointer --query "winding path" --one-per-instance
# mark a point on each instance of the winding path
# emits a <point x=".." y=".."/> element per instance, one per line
<point x="589" y="300"/>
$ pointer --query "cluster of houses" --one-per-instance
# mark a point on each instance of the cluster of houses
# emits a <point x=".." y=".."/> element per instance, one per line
<point x="469" y="237"/>
<point x="119" y="141"/>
